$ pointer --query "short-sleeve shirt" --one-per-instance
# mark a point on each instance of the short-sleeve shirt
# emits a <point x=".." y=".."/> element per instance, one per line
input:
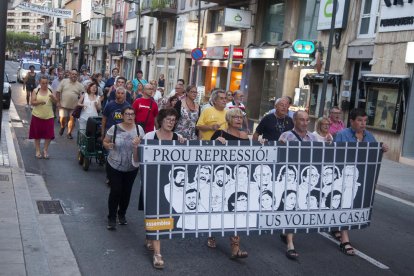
<point x="70" y="93"/>
<point x="272" y="127"/>
<point x="109" y="82"/>
<point x="209" y="117"/>
<point x="135" y="83"/>
<point x="120" y="157"/>
<point x="113" y="113"/>
<point x="348" y="135"/>
<point x="145" y="108"/>
<point x="290" y="136"/>
<point x="336" y="127"/>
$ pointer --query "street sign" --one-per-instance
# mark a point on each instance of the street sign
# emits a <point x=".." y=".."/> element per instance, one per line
<point x="197" y="53"/>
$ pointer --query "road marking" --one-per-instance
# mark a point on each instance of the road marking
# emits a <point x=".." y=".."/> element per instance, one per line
<point x="396" y="198"/>
<point x="358" y="253"/>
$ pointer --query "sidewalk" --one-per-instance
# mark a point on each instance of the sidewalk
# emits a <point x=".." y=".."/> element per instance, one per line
<point x="36" y="244"/>
<point x="30" y="243"/>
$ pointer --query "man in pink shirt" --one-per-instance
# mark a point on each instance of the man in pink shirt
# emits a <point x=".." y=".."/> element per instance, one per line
<point x="335" y="115"/>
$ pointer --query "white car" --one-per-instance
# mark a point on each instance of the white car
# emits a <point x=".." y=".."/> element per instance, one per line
<point x="23" y="69"/>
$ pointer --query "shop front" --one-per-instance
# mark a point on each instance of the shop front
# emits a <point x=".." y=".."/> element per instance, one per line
<point x="215" y="69"/>
<point x="260" y="80"/>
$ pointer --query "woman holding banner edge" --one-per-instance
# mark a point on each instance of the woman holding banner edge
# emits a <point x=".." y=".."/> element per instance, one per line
<point x="234" y="119"/>
<point x="166" y="120"/>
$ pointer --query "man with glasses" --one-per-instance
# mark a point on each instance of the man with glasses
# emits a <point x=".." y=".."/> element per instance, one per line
<point x="337" y="124"/>
<point x="68" y="93"/>
<point x="146" y="109"/>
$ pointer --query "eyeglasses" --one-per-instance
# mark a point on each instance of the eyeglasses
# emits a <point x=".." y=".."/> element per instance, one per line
<point x="169" y="120"/>
<point x="193" y="91"/>
<point x="129" y="114"/>
<point x="229" y="94"/>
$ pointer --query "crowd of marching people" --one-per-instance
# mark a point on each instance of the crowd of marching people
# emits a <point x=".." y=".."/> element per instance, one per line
<point x="138" y="109"/>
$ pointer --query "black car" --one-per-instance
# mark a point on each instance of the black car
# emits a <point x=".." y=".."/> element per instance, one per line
<point x="7" y="91"/>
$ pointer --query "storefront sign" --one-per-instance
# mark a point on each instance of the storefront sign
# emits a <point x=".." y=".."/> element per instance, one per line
<point x="396" y="17"/>
<point x="237" y="18"/>
<point x="325" y="14"/>
<point x="303" y="47"/>
<point x="223" y="38"/>
<point x="360" y="52"/>
<point x="223" y="53"/>
<point x="248" y="188"/>
<point x="267" y="53"/>
<point x="59" y="13"/>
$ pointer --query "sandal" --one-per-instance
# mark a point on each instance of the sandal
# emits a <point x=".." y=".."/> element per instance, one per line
<point x="38" y="156"/>
<point x="148" y="245"/>
<point x="235" y="244"/>
<point x="291" y="254"/>
<point x="45" y="155"/>
<point x="349" y="251"/>
<point x="211" y="242"/>
<point x="157" y="261"/>
<point x="336" y="235"/>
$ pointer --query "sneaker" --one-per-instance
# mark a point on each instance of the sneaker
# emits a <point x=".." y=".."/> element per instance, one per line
<point x="69" y="136"/>
<point x="111" y="225"/>
<point x="62" y="129"/>
<point x="122" y="221"/>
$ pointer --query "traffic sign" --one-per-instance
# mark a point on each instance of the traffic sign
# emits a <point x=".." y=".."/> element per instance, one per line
<point x="197" y="53"/>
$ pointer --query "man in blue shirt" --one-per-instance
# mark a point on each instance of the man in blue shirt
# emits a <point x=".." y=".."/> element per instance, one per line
<point x="356" y="133"/>
<point x="112" y="113"/>
<point x="111" y="80"/>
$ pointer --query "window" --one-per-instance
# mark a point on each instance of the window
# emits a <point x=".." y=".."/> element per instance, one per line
<point x="174" y="32"/>
<point x="26" y="14"/>
<point x="160" y="67"/>
<point x="274" y="21"/>
<point x="182" y="4"/>
<point x="96" y="28"/>
<point x="383" y="108"/>
<point x="171" y="73"/>
<point x="163" y="34"/>
<point x="217" y="21"/>
<point x="308" y="20"/>
<point x="369" y="18"/>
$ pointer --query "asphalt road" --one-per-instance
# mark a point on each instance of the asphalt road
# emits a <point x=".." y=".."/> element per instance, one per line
<point x="389" y="240"/>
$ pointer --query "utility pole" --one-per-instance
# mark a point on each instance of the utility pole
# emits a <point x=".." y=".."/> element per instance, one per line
<point x="328" y="60"/>
<point x="138" y="34"/>
<point x="195" y="71"/>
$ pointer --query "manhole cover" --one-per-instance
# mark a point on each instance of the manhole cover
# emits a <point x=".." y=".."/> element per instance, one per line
<point x="4" y="177"/>
<point x="49" y="207"/>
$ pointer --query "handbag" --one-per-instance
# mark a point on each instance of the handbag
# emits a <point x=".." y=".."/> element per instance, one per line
<point x="77" y="111"/>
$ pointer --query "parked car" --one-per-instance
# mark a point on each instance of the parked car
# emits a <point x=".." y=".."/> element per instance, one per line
<point x="23" y="69"/>
<point x="7" y="91"/>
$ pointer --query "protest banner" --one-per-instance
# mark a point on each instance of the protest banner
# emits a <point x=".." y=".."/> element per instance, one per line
<point x="43" y="10"/>
<point x="205" y="188"/>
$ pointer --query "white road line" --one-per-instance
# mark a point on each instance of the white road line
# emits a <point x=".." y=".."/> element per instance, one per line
<point x="396" y="198"/>
<point x="358" y="253"/>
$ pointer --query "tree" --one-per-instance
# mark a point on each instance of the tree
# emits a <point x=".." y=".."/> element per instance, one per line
<point x="20" y="42"/>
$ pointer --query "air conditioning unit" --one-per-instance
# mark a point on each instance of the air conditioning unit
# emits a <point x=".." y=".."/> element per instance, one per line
<point x="193" y="16"/>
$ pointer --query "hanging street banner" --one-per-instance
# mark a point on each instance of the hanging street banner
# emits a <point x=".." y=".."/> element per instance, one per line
<point x="60" y="13"/>
<point x="205" y="188"/>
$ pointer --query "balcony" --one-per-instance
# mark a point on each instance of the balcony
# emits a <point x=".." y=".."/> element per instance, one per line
<point x="115" y="48"/>
<point x="130" y="46"/>
<point x="159" y="8"/>
<point x="117" y="19"/>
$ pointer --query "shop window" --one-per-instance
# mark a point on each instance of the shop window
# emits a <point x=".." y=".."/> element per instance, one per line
<point x="369" y="18"/>
<point x="217" y="21"/>
<point x="383" y="107"/>
<point x="274" y="21"/>
<point x="308" y="20"/>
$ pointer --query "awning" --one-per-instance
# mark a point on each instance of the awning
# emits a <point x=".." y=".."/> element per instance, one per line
<point x="385" y="79"/>
<point x="334" y="78"/>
